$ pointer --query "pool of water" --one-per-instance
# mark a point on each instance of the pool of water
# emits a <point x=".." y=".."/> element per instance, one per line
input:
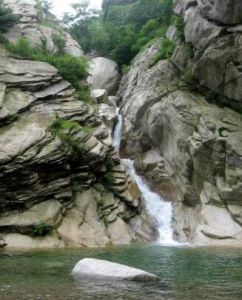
<point x="186" y="274"/>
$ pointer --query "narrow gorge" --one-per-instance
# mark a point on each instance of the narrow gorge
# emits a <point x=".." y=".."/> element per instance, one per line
<point x="75" y="174"/>
<point x="120" y="149"/>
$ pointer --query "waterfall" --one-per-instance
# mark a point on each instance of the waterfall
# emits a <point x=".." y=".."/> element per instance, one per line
<point x="158" y="209"/>
<point x="117" y="131"/>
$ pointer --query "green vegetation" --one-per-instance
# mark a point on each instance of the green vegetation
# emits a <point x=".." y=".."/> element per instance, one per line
<point x="42" y="229"/>
<point x="60" y="43"/>
<point x="120" y="31"/>
<point x="165" y="52"/>
<point x="188" y="75"/>
<point x="108" y="176"/>
<point x="66" y="131"/>
<point x="179" y="23"/>
<point x="44" y="8"/>
<point x="73" y="69"/>
<point x="7" y="19"/>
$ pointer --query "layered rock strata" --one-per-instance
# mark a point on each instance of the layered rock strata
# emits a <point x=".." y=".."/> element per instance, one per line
<point x="61" y="182"/>
<point x="53" y="193"/>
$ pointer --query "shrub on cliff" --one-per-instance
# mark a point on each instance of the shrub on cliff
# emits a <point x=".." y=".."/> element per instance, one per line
<point x="66" y="131"/>
<point x="7" y="19"/>
<point x="165" y="52"/>
<point x="73" y="69"/>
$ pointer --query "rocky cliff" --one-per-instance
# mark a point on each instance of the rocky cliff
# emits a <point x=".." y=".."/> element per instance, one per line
<point x="39" y="26"/>
<point x="183" y="123"/>
<point x="61" y="183"/>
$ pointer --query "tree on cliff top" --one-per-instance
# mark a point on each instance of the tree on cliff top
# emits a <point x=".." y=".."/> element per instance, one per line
<point x="121" y="29"/>
<point x="7" y="18"/>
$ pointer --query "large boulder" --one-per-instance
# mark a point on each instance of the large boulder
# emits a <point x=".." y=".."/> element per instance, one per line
<point x="101" y="269"/>
<point x="104" y="74"/>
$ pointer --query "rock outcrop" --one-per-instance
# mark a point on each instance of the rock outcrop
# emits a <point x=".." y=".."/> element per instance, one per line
<point x="104" y="74"/>
<point x="41" y="28"/>
<point x="183" y="127"/>
<point x="48" y="187"/>
<point x="214" y="28"/>
<point x="101" y="269"/>
<point x="61" y="182"/>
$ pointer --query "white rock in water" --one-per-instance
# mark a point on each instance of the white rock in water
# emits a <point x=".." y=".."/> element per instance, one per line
<point x="95" y="268"/>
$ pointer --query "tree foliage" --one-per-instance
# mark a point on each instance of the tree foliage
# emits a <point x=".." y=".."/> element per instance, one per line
<point x="44" y="8"/>
<point x="72" y="68"/>
<point x="120" y="30"/>
<point x="7" y="18"/>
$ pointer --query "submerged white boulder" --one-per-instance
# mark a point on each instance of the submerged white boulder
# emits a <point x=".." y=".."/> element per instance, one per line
<point x="95" y="268"/>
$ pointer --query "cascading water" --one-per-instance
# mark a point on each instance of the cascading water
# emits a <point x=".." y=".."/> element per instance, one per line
<point x="117" y="131"/>
<point x="159" y="210"/>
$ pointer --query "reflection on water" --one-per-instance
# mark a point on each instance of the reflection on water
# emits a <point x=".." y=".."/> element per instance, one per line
<point x="186" y="274"/>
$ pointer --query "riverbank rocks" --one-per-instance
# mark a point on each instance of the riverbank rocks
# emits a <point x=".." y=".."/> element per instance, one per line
<point x="41" y="28"/>
<point x="104" y="74"/>
<point x="101" y="269"/>
<point x="183" y="127"/>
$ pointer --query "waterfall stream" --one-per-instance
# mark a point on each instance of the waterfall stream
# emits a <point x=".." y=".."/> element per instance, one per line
<point x="158" y="209"/>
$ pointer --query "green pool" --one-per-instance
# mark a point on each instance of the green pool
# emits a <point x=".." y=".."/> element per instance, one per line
<point x="186" y="274"/>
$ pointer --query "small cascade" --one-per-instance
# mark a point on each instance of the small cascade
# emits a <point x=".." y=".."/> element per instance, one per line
<point x="159" y="210"/>
<point x="117" y="131"/>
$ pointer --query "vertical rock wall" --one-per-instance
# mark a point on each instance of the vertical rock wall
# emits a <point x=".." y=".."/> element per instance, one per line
<point x="58" y="190"/>
<point x="183" y="125"/>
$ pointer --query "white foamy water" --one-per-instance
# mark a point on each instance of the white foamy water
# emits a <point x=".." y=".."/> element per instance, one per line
<point x="158" y="209"/>
<point x="117" y="131"/>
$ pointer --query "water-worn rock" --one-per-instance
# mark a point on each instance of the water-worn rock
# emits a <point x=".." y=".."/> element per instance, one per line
<point x="104" y="74"/>
<point x="101" y="269"/>
<point x="48" y="212"/>
<point x="187" y="146"/>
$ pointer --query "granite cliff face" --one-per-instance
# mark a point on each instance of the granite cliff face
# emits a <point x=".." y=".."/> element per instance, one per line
<point x="56" y="191"/>
<point x="39" y="27"/>
<point x="183" y="125"/>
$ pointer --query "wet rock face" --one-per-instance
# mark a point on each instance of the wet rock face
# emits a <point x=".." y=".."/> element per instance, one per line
<point x="187" y="146"/>
<point x="39" y="28"/>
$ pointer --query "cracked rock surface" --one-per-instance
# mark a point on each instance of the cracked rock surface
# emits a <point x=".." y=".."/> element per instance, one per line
<point x="187" y="139"/>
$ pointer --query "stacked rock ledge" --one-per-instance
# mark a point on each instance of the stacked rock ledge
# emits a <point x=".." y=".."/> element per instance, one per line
<point x="55" y="191"/>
